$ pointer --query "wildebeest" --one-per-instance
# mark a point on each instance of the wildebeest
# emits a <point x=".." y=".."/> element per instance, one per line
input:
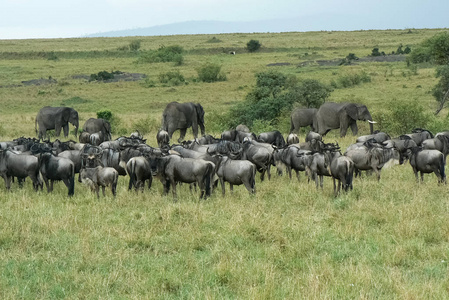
<point x="427" y="161"/>
<point x="378" y="136"/>
<point x="139" y="171"/>
<point x="236" y="172"/>
<point x="55" y="168"/>
<point x="258" y="155"/>
<point x="162" y="138"/>
<point x="342" y="170"/>
<point x="96" y="138"/>
<point x="272" y="137"/>
<point x="21" y="166"/>
<point x="174" y="168"/>
<point x="419" y="135"/>
<point x="439" y="142"/>
<point x="84" y="137"/>
<point x="311" y="135"/>
<point x="291" y="157"/>
<point x="372" y="156"/>
<point x="292" y="138"/>
<point x="99" y="176"/>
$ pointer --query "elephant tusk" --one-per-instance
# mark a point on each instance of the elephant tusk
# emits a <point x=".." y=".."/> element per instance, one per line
<point x="372" y="122"/>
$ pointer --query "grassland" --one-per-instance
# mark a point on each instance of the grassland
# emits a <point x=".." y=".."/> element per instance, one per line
<point x="383" y="240"/>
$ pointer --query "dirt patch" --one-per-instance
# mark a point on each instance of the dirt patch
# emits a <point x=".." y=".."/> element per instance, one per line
<point x="337" y="61"/>
<point x="278" y="64"/>
<point x="41" y="81"/>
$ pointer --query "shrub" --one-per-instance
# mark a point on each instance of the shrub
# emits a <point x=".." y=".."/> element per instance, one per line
<point x="273" y="97"/>
<point x="173" y="78"/>
<point x="103" y="75"/>
<point x="434" y="49"/>
<point x="214" y="40"/>
<point x="163" y="54"/>
<point x="253" y="45"/>
<point x="135" y="45"/>
<point x="441" y="89"/>
<point x="375" y="52"/>
<point x="350" y="80"/>
<point x="404" y="117"/>
<point x="210" y="73"/>
<point x="146" y="125"/>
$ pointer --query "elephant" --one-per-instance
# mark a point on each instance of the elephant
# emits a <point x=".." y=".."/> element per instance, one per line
<point x="182" y="116"/>
<point x="98" y="125"/>
<point x="56" y="118"/>
<point x="302" y="117"/>
<point x="333" y="115"/>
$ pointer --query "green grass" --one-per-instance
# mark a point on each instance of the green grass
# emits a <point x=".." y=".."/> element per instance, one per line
<point x="383" y="240"/>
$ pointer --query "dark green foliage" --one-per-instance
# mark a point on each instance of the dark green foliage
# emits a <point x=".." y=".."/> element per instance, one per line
<point x="103" y="75"/>
<point x="434" y="49"/>
<point x="350" y="80"/>
<point x="404" y="117"/>
<point x="273" y="96"/>
<point x="135" y="45"/>
<point x="52" y="56"/>
<point x="214" y="40"/>
<point x="441" y="90"/>
<point x="163" y="54"/>
<point x="375" y="52"/>
<point x="253" y="45"/>
<point x="173" y="78"/>
<point x="104" y="114"/>
<point x="348" y="59"/>
<point x="210" y="72"/>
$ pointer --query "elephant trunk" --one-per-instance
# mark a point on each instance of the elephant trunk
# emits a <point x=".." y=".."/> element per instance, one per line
<point x="371" y="127"/>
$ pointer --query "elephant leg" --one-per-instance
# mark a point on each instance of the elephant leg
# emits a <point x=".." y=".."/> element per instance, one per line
<point x="354" y="128"/>
<point x="182" y="134"/>
<point x="65" y="129"/>
<point x="58" y="130"/>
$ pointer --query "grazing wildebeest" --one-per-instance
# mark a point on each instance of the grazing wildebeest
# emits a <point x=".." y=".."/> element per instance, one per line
<point x="21" y="166"/>
<point x="99" y="176"/>
<point x="236" y="172"/>
<point x="162" y="138"/>
<point x="439" y="142"/>
<point x="291" y="157"/>
<point x="258" y="155"/>
<point x="371" y="156"/>
<point x="55" y="168"/>
<point x="292" y="138"/>
<point x="378" y="136"/>
<point x="427" y="161"/>
<point x="174" y="168"/>
<point x="272" y="137"/>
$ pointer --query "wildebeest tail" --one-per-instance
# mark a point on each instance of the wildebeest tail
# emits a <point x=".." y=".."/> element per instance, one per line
<point x="132" y="174"/>
<point x="443" y="175"/>
<point x="72" y="181"/>
<point x="349" y="175"/>
<point x="207" y="178"/>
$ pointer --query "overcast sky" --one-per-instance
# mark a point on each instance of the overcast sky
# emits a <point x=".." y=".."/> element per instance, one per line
<point x="21" y="19"/>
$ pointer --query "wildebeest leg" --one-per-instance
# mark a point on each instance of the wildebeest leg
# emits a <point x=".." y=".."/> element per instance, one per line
<point x="335" y="188"/>
<point x="150" y="182"/>
<point x="231" y="187"/>
<point x="103" y="188"/>
<point x="321" y="181"/>
<point x="173" y="186"/>
<point x="7" y="182"/>
<point x="97" y="191"/>
<point x="422" y="176"/>
<point x="222" y="186"/>
<point x="269" y="171"/>
<point x="20" y="181"/>
<point x="114" y="189"/>
<point x="248" y="186"/>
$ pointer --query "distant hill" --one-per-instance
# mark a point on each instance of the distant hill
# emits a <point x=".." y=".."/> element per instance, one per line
<point x="311" y="23"/>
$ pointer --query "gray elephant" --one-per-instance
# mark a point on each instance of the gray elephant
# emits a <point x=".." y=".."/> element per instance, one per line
<point x="341" y="115"/>
<point x="56" y="118"/>
<point x="98" y="125"/>
<point x="182" y="116"/>
<point x="302" y="117"/>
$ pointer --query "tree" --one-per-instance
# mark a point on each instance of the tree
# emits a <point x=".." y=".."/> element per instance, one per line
<point x="435" y="50"/>
<point x="253" y="45"/>
<point x="441" y="90"/>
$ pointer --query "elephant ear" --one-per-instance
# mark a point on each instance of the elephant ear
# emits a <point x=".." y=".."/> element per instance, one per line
<point x="352" y="111"/>
<point x="200" y="113"/>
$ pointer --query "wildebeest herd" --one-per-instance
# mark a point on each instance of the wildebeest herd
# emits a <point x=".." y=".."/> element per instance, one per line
<point x="235" y="157"/>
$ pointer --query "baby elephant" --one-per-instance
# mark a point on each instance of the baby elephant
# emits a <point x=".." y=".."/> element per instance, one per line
<point x="100" y="176"/>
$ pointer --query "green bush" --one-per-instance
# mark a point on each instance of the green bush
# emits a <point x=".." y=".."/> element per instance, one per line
<point x="350" y="80"/>
<point x="214" y="40"/>
<point x="273" y="98"/>
<point x="135" y="45"/>
<point x="103" y="75"/>
<point x="163" y="54"/>
<point x="172" y="78"/>
<point x="253" y="45"/>
<point x="434" y="49"/>
<point x="210" y="73"/>
<point x="375" y="52"/>
<point x="146" y="125"/>
<point x="403" y="117"/>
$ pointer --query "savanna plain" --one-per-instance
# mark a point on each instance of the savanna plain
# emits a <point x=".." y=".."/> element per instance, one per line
<point x="382" y="240"/>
